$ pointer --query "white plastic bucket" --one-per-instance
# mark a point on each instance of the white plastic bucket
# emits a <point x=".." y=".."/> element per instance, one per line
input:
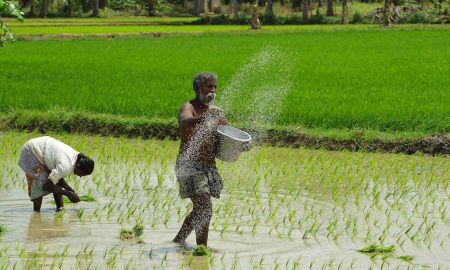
<point x="231" y="142"/>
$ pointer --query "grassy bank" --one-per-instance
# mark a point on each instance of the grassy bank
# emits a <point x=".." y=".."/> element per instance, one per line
<point x="329" y="139"/>
<point x="89" y="27"/>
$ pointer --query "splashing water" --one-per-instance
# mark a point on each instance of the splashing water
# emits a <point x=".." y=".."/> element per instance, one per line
<point x="254" y="95"/>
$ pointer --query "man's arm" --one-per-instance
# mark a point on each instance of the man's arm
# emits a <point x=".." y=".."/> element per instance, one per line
<point x="186" y="116"/>
<point x="57" y="189"/>
<point x="64" y="184"/>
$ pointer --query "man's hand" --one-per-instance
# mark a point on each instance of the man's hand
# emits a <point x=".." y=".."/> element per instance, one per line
<point x="215" y="112"/>
<point x="58" y="189"/>
<point x="246" y="146"/>
<point x="73" y="197"/>
<point x="215" y="115"/>
<point x="64" y="184"/>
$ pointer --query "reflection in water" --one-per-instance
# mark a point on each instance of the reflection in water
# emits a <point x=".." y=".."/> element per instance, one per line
<point x="195" y="262"/>
<point x="45" y="226"/>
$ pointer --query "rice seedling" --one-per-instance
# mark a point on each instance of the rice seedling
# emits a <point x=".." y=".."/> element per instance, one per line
<point x="327" y="195"/>
<point x="200" y="250"/>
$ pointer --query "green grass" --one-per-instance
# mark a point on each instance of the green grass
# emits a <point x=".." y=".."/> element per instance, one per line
<point x="389" y="81"/>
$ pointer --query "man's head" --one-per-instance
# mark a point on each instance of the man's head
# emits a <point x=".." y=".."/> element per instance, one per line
<point x="83" y="166"/>
<point x="205" y="87"/>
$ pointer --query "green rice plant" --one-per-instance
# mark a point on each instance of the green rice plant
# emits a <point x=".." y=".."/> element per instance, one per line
<point x="361" y="93"/>
<point x="138" y="230"/>
<point x="376" y="248"/>
<point x="200" y="250"/>
<point x="2" y="229"/>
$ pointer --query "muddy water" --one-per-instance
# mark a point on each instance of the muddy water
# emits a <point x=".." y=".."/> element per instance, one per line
<point x="280" y="208"/>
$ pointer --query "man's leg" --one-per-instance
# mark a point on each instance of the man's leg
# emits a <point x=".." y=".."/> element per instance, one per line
<point x="37" y="204"/>
<point x="58" y="201"/>
<point x="199" y="216"/>
<point x="202" y="224"/>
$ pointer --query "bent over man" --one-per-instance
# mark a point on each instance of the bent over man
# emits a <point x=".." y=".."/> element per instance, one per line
<point x="46" y="161"/>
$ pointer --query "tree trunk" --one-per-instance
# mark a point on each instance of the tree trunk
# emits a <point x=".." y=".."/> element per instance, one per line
<point x="235" y="7"/>
<point x="305" y="9"/>
<point x="205" y="6"/>
<point x="101" y="4"/>
<point x="32" y="12"/>
<point x="150" y="5"/>
<point x="330" y="11"/>
<point x="70" y="8"/>
<point x="43" y="11"/>
<point x="269" y="8"/>
<point x="295" y="4"/>
<point x="94" y="8"/>
<point x="282" y="2"/>
<point x="344" y="10"/>
<point x="255" y="23"/>
<point x="85" y="5"/>
<point x="387" y="13"/>
<point x="196" y="10"/>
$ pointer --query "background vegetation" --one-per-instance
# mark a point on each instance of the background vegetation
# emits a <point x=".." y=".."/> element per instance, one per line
<point x="390" y="81"/>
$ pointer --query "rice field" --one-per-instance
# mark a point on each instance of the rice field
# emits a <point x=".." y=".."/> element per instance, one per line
<point x="280" y="208"/>
<point x="371" y="79"/>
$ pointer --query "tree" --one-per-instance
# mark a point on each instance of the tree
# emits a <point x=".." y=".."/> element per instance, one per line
<point x="94" y="8"/>
<point x="387" y="13"/>
<point x="44" y="9"/>
<point x="9" y="8"/>
<point x="269" y="8"/>
<point x="234" y="7"/>
<point x="330" y="11"/>
<point x="344" y="10"/>
<point x="305" y="9"/>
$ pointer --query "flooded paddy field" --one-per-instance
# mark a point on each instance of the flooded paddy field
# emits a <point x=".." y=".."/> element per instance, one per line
<point x="281" y="208"/>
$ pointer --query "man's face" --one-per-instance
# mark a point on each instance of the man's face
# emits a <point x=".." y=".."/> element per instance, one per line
<point x="78" y="172"/>
<point x="207" y="92"/>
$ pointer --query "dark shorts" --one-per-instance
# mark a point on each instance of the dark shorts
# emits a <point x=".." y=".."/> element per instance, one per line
<point x="197" y="179"/>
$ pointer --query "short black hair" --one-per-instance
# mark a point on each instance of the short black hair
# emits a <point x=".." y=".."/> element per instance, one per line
<point x="85" y="164"/>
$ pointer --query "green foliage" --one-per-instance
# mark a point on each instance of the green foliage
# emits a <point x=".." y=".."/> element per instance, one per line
<point x="358" y="18"/>
<point x="200" y="250"/>
<point x="2" y="229"/>
<point x="9" y="8"/>
<point x="423" y="16"/>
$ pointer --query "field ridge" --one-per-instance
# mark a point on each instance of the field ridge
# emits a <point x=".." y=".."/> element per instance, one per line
<point x="116" y="125"/>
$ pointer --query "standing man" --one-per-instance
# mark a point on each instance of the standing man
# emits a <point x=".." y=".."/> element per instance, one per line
<point x="196" y="170"/>
<point x="46" y="161"/>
